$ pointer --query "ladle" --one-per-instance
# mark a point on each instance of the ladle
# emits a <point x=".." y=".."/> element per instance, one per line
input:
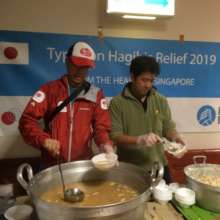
<point x="72" y="194"/>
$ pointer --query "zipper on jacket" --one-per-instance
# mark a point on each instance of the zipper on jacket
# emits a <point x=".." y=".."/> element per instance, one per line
<point x="70" y="133"/>
<point x="70" y="130"/>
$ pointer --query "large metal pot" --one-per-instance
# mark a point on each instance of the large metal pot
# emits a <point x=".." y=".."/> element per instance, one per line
<point x="78" y="171"/>
<point x="207" y="196"/>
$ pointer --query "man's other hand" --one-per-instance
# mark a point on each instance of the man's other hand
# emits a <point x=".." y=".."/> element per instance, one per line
<point x="148" y="140"/>
<point x="52" y="146"/>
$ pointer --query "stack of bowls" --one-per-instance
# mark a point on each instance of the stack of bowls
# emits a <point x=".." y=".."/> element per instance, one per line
<point x="185" y="197"/>
<point x="162" y="194"/>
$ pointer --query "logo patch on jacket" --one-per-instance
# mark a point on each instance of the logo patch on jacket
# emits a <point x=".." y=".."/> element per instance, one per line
<point x="104" y="104"/>
<point x="39" y="96"/>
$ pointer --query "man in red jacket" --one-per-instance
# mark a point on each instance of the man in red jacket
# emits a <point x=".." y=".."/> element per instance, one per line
<point x="70" y="132"/>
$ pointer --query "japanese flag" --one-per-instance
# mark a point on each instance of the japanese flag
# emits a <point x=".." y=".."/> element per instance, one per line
<point x="14" y="53"/>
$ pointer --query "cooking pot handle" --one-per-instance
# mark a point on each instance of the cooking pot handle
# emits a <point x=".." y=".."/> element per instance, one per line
<point x="201" y="157"/>
<point x="20" y="177"/>
<point x="156" y="173"/>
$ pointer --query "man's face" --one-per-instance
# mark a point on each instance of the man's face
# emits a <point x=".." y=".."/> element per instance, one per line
<point x="143" y="83"/>
<point x="76" y="74"/>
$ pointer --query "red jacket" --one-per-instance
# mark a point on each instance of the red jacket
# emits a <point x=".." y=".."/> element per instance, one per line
<point x="74" y="126"/>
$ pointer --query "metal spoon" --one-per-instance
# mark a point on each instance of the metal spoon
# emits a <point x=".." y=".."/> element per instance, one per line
<point x="72" y="194"/>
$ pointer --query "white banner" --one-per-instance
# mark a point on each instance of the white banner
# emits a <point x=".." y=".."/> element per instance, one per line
<point x="196" y="114"/>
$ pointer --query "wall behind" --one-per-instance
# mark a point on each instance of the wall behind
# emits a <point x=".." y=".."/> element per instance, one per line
<point x="197" y="20"/>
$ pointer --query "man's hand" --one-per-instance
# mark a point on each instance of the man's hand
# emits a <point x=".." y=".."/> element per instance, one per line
<point x="110" y="152"/>
<point x="174" y="136"/>
<point x="52" y="146"/>
<point x="108" y="148"/>
<point x="148" y="140"/>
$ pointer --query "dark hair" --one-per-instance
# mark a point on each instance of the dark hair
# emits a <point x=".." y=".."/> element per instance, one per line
<point x="143" y="64"/>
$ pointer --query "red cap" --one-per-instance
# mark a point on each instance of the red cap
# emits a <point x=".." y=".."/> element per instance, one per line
<point x="82" y="55"/>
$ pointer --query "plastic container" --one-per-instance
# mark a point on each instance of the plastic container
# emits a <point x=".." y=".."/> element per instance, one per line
<point x="19" y="212"/>
<point x="105" y="161"/>
<point x="185" y="197"/>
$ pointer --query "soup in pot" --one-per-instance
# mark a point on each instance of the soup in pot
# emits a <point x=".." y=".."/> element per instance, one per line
<point x="96" y="193"/>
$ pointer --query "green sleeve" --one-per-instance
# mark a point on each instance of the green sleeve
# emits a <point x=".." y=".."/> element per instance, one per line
<point x="116" y="118"/>
<point x="168" y="123"/>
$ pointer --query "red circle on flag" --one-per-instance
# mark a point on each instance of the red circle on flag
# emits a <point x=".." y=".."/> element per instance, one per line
<point x="8" y="118"/>
<point x="11" y="53"/>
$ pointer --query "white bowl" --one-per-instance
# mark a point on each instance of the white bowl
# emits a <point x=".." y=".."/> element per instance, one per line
<point x="162" y="183"/>
<point x="19" y="212"/>
<point x="185" y="197"/>
<point x="174" y="186"/>
<point x="162" y="194"/>
<point x="105" y="161"/>
<point x="181" y="151"/>
<point x="176" y="149"/>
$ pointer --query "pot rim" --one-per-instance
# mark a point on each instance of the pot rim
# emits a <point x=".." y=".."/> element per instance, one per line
<point x="206" y="186"/>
